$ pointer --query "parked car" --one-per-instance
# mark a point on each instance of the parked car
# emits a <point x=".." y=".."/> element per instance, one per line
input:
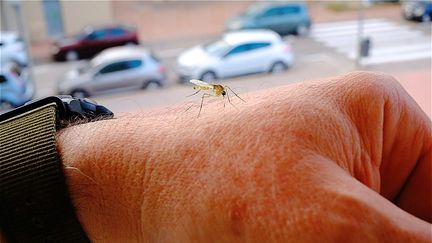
<point x="117" y="68"/>
<point x="284" y="18"/>
<point x="12" y="49"/>
<point x="15" y="87"/>
<point x="419" y="10"/>
<point x="236" y="53"/>
<point x="91" y="41"/>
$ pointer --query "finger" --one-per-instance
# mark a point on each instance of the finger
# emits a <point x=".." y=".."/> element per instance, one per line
<point x="397" y="136"/>
<point x="415" y="196"/>
<point x="354" y="206"/>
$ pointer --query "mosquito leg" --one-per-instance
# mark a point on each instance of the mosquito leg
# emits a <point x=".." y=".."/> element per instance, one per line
<point x="202" y="101"/>
<point x="189" y="108"/>
<point x="235" y="93"/>
<point x="229" y="100"/>
<point x="194" y="93"/>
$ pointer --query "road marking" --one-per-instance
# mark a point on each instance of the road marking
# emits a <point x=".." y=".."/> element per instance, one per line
<point x="390" y="41"/>
<point x="408" y="49"/>
<point x="345" y="23"/>
<point x="348" y="27"/>
<point x="397" y="57"/>
<point x="393" y="37"/>
<point x="367" y="31"/>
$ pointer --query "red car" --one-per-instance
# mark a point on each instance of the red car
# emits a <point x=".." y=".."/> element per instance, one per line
<point x="92" y="41"/>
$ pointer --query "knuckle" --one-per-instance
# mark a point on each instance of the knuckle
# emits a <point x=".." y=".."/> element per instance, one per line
<point x="362" y="89"/>
<point x="371" y="83"/>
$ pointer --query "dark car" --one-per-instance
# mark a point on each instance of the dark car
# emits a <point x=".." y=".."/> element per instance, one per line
<point x="418" y="10"/>
<point x="283" y="18"/>
<point x="91" y="41"/>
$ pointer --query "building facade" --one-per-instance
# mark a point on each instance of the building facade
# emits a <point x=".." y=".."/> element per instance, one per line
<point x="44" y="20"/>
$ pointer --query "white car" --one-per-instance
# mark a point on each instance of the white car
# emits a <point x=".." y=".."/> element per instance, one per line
<point x="236" y="53"/>
<point x="12" y="49"/>
<point x="115" y="69"/>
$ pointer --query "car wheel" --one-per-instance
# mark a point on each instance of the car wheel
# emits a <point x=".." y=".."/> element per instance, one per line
<point x="278" y="67"/>
<point x="71" y="56"/>
<point x="5" y="105"/>
<point x="302" y="30"/>
<point x="152" y="85"/>
<point x="208" y="77"/>
<point x="426" y="18"/>
<point x="79" y="93"/>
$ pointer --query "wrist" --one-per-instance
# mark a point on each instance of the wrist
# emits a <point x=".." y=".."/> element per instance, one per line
<point x="96" y="175"/>
<point x="128" y="180"/>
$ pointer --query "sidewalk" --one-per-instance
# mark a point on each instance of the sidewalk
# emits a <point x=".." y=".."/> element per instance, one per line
<point x="167" y="24"/>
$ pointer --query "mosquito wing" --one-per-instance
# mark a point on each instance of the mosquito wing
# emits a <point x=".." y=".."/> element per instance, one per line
<point x="201" y="83"/>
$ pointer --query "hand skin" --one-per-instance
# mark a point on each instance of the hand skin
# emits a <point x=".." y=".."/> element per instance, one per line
<point x="344" y="159"/>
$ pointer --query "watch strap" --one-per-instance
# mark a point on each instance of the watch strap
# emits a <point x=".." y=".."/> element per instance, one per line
<point x="34" y="202"/>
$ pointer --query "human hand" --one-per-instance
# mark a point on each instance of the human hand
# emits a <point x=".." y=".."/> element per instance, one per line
<point x="341" y="159"/>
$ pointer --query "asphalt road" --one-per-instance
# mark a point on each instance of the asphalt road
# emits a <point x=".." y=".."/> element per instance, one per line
<point x="312" y="60"/>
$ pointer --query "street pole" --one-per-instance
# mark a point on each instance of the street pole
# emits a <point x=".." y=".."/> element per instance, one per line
<point x="360" y="32"/>
<point x="17" y="6"/>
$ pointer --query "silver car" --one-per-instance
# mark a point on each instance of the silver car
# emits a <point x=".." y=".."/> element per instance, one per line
<point x="115" y="69"/>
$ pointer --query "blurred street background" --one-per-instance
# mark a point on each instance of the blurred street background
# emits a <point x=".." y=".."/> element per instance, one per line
<point x="329" y="38"/>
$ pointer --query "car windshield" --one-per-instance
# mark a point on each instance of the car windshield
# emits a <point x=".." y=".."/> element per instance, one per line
<point x="86" y="31"/>
<point x="216" y="48"/>
<point x="81" y="35"/>
<point x="85" y="67"/>
<point x="254" y="10"/>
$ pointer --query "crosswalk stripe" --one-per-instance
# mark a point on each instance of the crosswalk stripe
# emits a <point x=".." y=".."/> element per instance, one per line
<point x="390" y="41"/>
<point x="349" y="22"/>
<point x="317" y="31"/>
<point x="398" y="36"/>
<point x="377" y="45"/>
<point x="397" y="58"/>
<point x="366" y="31"/>
<point x="396" y="49"/>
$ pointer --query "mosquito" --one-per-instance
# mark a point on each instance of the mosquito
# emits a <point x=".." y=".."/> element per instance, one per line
<point x="217" y="89"/>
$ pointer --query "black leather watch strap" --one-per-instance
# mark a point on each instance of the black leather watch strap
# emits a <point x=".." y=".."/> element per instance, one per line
<point x="34" y="202"/>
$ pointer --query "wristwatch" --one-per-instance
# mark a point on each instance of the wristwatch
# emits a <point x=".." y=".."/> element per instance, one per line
<point x="34" y="201"/>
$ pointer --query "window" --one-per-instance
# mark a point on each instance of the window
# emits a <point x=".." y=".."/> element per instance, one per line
<point x="254" y="10"/>
<point x="114" y="67"/>
<point x="239" y="49"/>
<point x="154" y="57"/>
<point x="291" y="10"/>
<point x="117" y="32"/>
<point x="97" y="35"/>
<point x="248" y="47"/>
<point x="216" y="48"/>
<point x="273" y="12"/>
<point x="259" y="45"/>
<point x="18" y="39"/>
<point x="120" y="66"/>
<point x="133" y="64"/>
